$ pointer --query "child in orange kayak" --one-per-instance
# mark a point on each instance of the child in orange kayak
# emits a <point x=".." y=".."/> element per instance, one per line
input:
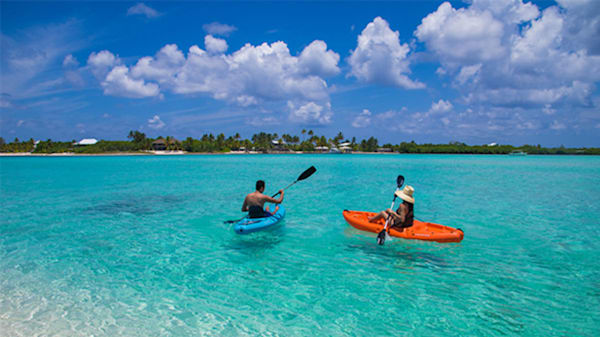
<point x="403" y="217"/>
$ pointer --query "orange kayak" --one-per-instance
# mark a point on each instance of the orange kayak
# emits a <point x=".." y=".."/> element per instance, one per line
<point x="420" y="230"/>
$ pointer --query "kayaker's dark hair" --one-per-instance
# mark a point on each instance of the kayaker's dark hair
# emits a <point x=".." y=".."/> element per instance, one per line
<point x="259" y="184"/>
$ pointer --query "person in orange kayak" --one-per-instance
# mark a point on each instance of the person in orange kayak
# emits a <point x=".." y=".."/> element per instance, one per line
<point x="403" y="216"/>
<point x="255" y="201"/>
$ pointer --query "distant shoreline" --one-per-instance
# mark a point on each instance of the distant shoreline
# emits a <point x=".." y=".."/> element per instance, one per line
<point x="260" y="143"/>
<point x="183" y="153"/>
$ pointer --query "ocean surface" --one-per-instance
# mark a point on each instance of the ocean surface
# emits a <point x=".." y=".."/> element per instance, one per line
<point x="136" y="246"/>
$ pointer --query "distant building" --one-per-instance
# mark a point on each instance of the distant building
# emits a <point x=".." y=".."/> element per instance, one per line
<point x="384" y="149"/>
<point x="345" y="149"/>
<point x="322" y="148"/>
<point x="279" y="146"/>
<point x="87" y="141"/>
<point x="159" y="145"/>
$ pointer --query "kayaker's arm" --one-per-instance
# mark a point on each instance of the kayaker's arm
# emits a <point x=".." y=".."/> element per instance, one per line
<point x="399" y="217"/>
<point x="245" y="205"/>
<point x="395" y="215"/>
<point x="273" y="200"/>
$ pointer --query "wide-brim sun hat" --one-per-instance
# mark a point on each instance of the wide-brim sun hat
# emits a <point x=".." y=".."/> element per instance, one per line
<point x="406" y="194"/>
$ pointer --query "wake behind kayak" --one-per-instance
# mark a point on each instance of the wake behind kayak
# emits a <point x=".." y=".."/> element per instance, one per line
<point x="251" y="225"/>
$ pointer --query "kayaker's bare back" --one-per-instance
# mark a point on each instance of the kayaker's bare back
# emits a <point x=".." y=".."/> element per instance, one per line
<point x="258" y="199"/>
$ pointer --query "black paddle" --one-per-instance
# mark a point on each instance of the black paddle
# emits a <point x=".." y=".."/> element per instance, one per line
<point x="309" y="172"/>
<point x="381" y="235"/>
<point x="303" y="176"/>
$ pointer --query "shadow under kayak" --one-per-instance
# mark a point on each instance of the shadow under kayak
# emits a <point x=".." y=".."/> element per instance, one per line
<point x="247" y="225"/>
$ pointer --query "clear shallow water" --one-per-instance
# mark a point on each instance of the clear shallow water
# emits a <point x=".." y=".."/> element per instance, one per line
<point x="136" y="246"/>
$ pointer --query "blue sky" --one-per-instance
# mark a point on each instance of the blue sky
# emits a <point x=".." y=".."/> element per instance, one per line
<point x="481" y="71"/>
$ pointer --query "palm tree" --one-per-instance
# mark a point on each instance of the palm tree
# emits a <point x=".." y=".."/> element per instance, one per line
<point x="168" y="140"/>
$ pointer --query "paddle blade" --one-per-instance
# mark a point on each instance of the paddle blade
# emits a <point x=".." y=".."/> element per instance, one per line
<point x="309" y="173"/>
<point x="400" y="181"/>
<point x="381" y="238"/>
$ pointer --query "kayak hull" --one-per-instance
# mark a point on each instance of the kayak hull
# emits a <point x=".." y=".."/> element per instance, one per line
<point x="420" y="230"/>
<point x="247" y="225"/>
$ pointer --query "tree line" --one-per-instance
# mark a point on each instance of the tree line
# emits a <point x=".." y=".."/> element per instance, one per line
<point x="308" y="141"/>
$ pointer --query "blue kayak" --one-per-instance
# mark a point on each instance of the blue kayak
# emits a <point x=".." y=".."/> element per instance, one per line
<point x="247" y="225"/>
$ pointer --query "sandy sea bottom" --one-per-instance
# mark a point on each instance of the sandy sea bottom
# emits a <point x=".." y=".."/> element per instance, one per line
<point x="136" y="246"/>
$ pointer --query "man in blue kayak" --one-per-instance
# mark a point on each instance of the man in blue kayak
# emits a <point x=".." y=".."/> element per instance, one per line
<point x="255" y="201"/>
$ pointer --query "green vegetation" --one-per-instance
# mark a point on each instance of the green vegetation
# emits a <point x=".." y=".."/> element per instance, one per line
<point x="271" y="142"/>
<point x="16" y="145"/>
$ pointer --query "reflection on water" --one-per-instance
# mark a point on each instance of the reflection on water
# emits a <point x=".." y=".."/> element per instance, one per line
<point x="398" y="255"/>
<point x="253" y="244"/>
<point x="399" y="252"/>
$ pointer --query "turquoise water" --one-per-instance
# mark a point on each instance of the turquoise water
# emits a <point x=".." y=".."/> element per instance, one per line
<point x="136" y="246"/>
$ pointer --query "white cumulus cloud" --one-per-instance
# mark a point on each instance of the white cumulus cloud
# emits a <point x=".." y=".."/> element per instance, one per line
<point x="363" y="119"/>
<point x="463" y="36"/>
<point x="317" y="60"/>
<point x="118" y="82"/>
<point x="380" y="58"/>
<point x="102" y="62"/>
<point x="141" y="9"/>
<point x="166" y="63"/>
<point x="155" y="123"/>
<point x="215" y="45"/>
<point x="441" y="106"/>
<point x="503" y="54"/>
<point x="249" y="76"/>
<point x="70" y="61"/>
<point x="310" y="113"/>
<point x="582" y="25"/>
<point x="216" y="28"/>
